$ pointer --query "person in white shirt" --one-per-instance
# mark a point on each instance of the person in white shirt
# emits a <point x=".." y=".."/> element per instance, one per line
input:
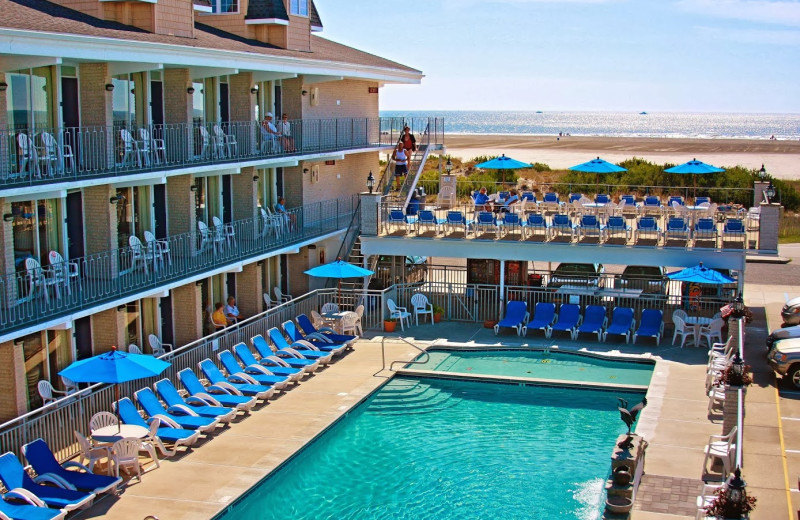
<point x="231" y="310"/>
<point x="285" y="130"/>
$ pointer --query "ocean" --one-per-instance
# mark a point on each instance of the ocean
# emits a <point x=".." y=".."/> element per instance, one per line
<point x="616" y="124"/>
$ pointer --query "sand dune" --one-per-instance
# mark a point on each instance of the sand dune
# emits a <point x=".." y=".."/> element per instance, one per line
<point x="780" y="158"/>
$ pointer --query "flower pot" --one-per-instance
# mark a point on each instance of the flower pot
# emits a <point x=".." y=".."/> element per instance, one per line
<point x="389" y="326"/>
<point x="437" y="318"/>
<point x="618" y="504"/>
<point x="489" y="324"/>
<point x="622" y="476"/>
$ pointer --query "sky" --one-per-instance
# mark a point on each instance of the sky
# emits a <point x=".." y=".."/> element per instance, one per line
<point x="609" y="55"/>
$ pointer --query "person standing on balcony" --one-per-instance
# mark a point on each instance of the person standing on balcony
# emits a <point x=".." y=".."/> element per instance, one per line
<point x="400" y="165"/>
<point x="285" y="130"/>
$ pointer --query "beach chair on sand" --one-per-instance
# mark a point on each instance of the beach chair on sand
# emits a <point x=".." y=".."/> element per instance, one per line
<point x="594" y="321"/>
<point x="516" y="317"/>
<point x="569" y="317"/>
<point x="651" y="325"/>
<point x="622" y="323"/>
<point x="544" y="314"/>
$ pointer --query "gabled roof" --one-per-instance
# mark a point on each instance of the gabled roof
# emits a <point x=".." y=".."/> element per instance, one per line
<point x="266" y="9"/>
<point x="314" y="15"/>
<point x="43" y="17"/>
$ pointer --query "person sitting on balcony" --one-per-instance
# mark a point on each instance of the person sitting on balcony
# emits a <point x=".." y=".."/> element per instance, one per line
<point x="482" y="202"/>
<point x="269" y="133"/>
<point x="285" y="130"/>
<point x="231" y="311"/>
<point x="280" y="209"/>
<point x="218" y="316"/>
<point x="513" y="198"/>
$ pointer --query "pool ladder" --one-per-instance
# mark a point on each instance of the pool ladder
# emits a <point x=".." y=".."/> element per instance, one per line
<point x="391" y="365"/>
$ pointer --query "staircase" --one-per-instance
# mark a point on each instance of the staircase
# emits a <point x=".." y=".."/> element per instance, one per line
<point x="411" y="397"/>
<point x="416" y="165"/>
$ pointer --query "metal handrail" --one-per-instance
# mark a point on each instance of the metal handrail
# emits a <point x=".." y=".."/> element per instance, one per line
<point x="740" y="399"/>
<point x="391" y="365"/>
<point x="355" y="217"/>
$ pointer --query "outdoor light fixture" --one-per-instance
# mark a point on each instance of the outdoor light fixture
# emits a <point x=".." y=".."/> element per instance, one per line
<point x="736" y="494"/>
<point x="305" y="170"/>
<point x="254" y="90"/>
<point x="109" y="87"/>
<point x="8" y="217"/>
<point x="770" y="192"/>
<point x="370" y="181"/>
<point x="305" y="92"/>
<point x="190" y="90"/>
<point x="737" y="369"/>
<point x="193" y="187"/>
<point x="448" y="166"/>
<point x="3" y="86"/>
<point x="121" y="308"/>
<point x="255" y="178"/>
<point x="762" y="173"/>
<point x="738" y="307"/>
<point x="115" y="199"/>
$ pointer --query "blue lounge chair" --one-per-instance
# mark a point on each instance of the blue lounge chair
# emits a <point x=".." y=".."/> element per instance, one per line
<point x="217" y="395"/>
<point x="651" y="325"/>
<point x="552" y="197"/>
<point x="569" y="317"/>
<point x="316" y="340"/>
<point x="277" y="367"/>
<point x="316" y="345"/>
<point x="628" y="200"/>
<point x="308" y="328"/>
<point x="544" y="314"/>
<point x="616" y="226"/>
<point x="486" y="220"/>
<point x="32" y="509"/>
<point x="516" y="317"/>
<point x="594" y="321"/>
<point x="562" y="224"/>
<point x="14" y="477"/>
<point x="602" y="198"/>
<point x="529" y="196"/>
<point x="398" y="218"/>
<point x="191" y="405"/>
<point x="676" y="199"/>
<point x="241" y="383"/>
<point x="705" y="229"/>
<point x="44" y="463"/>
<point x="153" y="407"/>
<point x="648" y="227"/>
<point x="701" y="200"/>
<point x="512" y="224"/>
<point x="303" y="353"/>
<point x="652" y="202"/>
<point x="590" y="226"/>
<point x="535" y="222"/>
<point x="734" y="228"/>
<point x="258" y="374"/>
<point x="272" y="362"/>
<point x="427" y="219"/>
<point x="574" y="197"/>
<point x="168" y="430"/>
<point x="622" y="323"/>
<point x="456" y="219"/>
<point x="677" y="229"/>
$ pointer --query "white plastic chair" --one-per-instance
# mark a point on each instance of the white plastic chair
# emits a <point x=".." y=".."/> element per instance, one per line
<point x="160" y="247"/>
<point x="716" y="394"/>
<point x="70" y="386"/>
<point x="268" y="301"/>
<point x="279" y="296"/>
<point x="420" y="305"/>
<point x="125" y="453"/>
<point x="704" y="500"/>
<point x="132" y="155"/>
<point x="227" y="230"/>
<point x="721" y="447"/>
<point x="40" y="280"/>
<point x="157" y="346"/>
<point x="329" y="307"/>
<point x="149" y="443"/>
<point x="89" y="452"/>
<point x="399" y="313"/>
<point x="47" y="392"/>
<point x="27" y="155"/>
<point x="712" y="331"/>
<point x="360" y="314"/>
<point x="153" y="146"/>
<point x="63" y="272"/>
<point x="682" y="330"/>
<point x="228" y="142"/>
<point x="134" y="349"/>
<point x="348" y="323"/>
<point x="141" y="256"/>
<point x="101" y="420"/>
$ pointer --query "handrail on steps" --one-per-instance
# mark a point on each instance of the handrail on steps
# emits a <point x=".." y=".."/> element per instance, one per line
<point x="391" y="365"/>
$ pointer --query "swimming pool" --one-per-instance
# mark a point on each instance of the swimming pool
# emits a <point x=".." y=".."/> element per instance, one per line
<point x="445" y="449"/>
<point x="562" y="366"/>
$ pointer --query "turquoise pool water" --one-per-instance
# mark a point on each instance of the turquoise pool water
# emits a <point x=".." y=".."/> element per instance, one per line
<point x="538" y="364"/>
<point x="447" y="450"/>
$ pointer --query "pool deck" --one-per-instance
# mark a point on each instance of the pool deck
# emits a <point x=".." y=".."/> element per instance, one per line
<point x="201" y="482"/>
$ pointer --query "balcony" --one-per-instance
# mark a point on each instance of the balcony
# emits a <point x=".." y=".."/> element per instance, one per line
<point x="57" y="156"/>
<point x="40" y="294"/>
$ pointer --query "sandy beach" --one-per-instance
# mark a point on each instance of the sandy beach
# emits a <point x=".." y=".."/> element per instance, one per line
<point x="780" y="158"/>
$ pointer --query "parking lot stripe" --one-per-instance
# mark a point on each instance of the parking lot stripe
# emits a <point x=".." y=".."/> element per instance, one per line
<point x="783" y="451"/>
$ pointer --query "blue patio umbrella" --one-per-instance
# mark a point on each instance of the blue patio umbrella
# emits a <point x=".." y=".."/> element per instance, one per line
<point x="339" y="270"/>
<point x="598" y="166"/>
<point x="503" y="163"/>
<point x="694" y="167"/>
<point x="114" y="367"/>
<point x="700" y="274"/>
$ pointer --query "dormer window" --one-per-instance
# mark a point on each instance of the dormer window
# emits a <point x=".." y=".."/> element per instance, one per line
<point x="298" y="7"/>
<point x="225" y="6"/>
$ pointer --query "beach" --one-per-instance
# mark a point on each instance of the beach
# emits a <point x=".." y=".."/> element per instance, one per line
<point x="781" y="158"/>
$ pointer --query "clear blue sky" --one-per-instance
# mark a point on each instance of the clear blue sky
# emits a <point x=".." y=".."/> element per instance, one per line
<point x="622" y="55"/>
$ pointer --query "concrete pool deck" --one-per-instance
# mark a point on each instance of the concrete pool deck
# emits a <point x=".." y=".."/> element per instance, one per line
<point x="202" y="482"/>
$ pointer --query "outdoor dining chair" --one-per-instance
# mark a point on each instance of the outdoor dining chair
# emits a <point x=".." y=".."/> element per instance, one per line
<point x="421" y="305"/>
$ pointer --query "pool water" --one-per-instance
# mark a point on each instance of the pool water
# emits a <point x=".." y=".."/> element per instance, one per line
<point x="444" y="449"/>
<point x="538" y="364"/>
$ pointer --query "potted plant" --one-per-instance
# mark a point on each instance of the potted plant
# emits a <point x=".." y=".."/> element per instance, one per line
<point x="735" y="374"/>
<point x="389" y="324"/>
<point x="731" y="500"/>
<point x="438" y="312"/>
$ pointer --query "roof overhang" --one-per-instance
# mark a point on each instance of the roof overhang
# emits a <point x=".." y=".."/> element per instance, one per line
<point x="265" y="21"/>
<point x="118" y="67"/>
<point x="24" y="46"/>
<point x="15" y="62"/>
<point x="203" y="8"/>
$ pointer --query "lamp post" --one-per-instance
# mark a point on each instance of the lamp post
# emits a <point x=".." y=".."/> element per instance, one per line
<point x="737" y="371"/>
<point x="736" y="495"/>
<point x="762" y="173"/>
<point x="738" y="307"/>
<point x="448" y="166"/>
<point x="770" y="192"/>
<point x="370" y="181"/>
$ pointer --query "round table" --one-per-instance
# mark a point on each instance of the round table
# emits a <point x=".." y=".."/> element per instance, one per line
<point x="114" y="433"/>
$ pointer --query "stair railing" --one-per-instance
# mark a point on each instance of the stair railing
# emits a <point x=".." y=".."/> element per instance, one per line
<point x="413" y="362"/>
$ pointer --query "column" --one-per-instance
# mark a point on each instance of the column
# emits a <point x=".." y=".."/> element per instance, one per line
<point x="5" y="162"/>
<point x="97" y="119"/>
<point x="181" y="215"/>
<point x="101" y="242"/>
<point x="242" y="112"/>
<point x="370" y="203"/>
<point x="768" y="227"/>
<point x="108" y="329"/>
<point x="297" y="266"/>
<point x="13" y="390"/>
<point x="249" y="297"/>
<point x="758" y="192"/>
<point x="7" y="258"/>
<point x="245" y="196"/>
<point x="178" y="132"/>
<point x="187" y="314"/>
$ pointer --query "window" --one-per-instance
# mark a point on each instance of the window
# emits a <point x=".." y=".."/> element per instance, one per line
<point x="225" y="6"/>
<point x="299" y="7"/>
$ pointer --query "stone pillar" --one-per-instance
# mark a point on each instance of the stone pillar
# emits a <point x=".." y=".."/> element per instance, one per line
<point x="245" y="196"/>
<point x="181" y="216"/>
<point x="9" y="288"/>
<point x="97" y="118"/>
<point x="730" y="408"/>
<point x="768" y="227"/>
<point x="759" y="187"/>
<point x="248" y="290"/>
<point x="242" y="112"/>
<point x="102" y="242"/>
<point x="187" y="314"/>
<point x="108" y="330"/>
<point x="370" y="220"/>
<point x="14" y="387"/>
<point x="179" y="134"/>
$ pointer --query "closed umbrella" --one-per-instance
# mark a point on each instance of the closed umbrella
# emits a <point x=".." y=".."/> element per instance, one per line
<point x="339" y="270"/>
<point x="694" y="167"/>
<point x="503" y="163"/>
<point x="114" y="367"/>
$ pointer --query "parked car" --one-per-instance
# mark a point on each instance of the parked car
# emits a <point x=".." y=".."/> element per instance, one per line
<point x="399" y="269"/>
<point x="784" y="358"/>
<point x="649" y="278"/>
<point x="784" y="333"/>
<point x="578" y="275"/>
<point x="791" y="312"/>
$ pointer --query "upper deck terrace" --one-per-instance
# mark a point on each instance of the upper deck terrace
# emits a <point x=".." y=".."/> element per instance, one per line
<point x="64" y="158"/>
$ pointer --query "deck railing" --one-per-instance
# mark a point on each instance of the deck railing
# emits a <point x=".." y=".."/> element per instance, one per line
<point x="30" y="157"/>
<point x="44" y="292"/>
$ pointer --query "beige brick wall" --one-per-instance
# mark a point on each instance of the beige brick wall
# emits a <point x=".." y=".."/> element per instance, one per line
<point x="3" y="113"/>
<point x="297" y="265"/>
<point x="108" y="330"/>
<point x="292" y="100"/>
<point x="346" y="177"/>
<point x="248" y="290"/>
<point x="187" y="314"/>
<point x="96" y="106"/>
<point x="353" y="96"/>
<point x="178" y="110"/>
<point x="13" y="384"/>
<point x="181" y="216"/>
<point x="103" y="217"/>
<point x="242" y="108"/>
<point x="244" y="195"/>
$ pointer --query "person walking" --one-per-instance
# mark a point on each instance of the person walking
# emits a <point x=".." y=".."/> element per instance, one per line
<point x="400" y="164"/>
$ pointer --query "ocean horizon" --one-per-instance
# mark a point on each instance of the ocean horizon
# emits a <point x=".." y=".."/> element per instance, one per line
<point x="695" y="125"/>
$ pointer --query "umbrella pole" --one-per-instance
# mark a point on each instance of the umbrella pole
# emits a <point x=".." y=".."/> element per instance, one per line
<point x="339" y="293"/>
<point x="116" y="408"/>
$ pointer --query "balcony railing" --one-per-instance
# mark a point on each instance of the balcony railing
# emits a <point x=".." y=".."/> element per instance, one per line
<point x="57" y="155"/>
<point x="42" y="293"/>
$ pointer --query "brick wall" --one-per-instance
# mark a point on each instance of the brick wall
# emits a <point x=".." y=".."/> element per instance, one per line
<point x="353" y="96"/>
<point x="346" y="177"/>
<point x="242" y="108"/>
<point x="293" y="185"/>
<point x="187" y="314"/>
<point x="96" y="106"/>
<point x="178" y="110"/>
<point x="181" y="216"/>
<point x="3" y="113"/>
<point x="768" y="227"/>
<point x="248" y="290"/>
<point x="297" y="265"/>
<point x="7" y="258"/>
<point x="108" y="329"/>
<point x="244" y="195"/>
<point x="103" y="215"/>
<point x="13" y="384"/>
<point x="292" y="98"/>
